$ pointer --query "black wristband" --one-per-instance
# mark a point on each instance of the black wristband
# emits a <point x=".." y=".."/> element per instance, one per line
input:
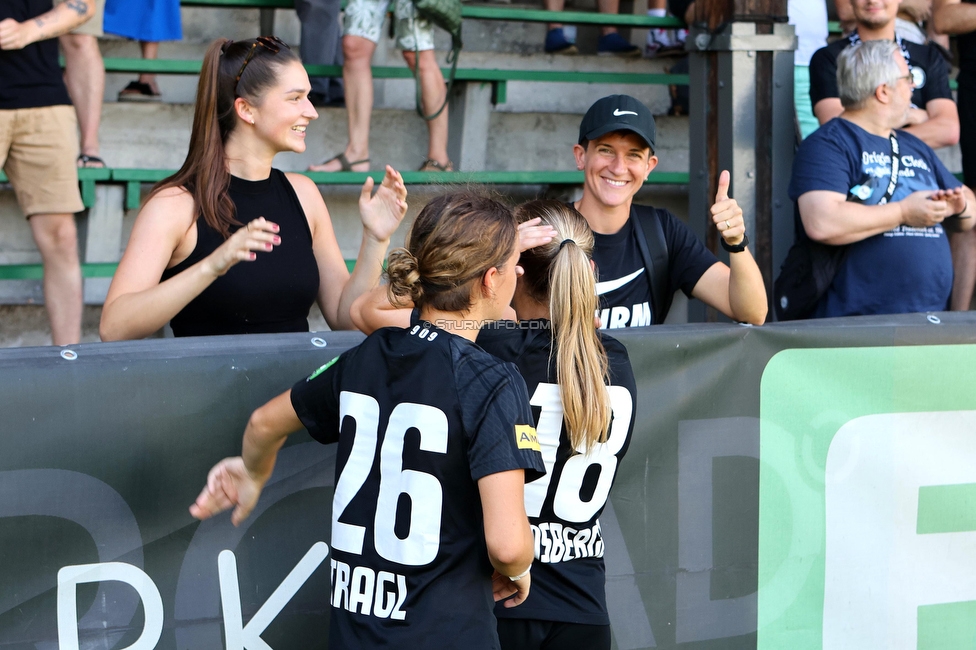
<point x="959" y="214"/>
<point x="738" y="248"/>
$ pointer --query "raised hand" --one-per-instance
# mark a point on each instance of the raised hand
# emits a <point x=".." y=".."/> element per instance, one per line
<point x="229" y="485"/>
<point x="726" y="213"/>
<point x="532" y="233"/>
<point x="382" y="212"/>
<point x="258" y="235"/>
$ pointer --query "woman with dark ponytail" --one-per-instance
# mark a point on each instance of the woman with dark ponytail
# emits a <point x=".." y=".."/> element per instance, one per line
<point x="421" y="413"/>
<point x="227" y="205"/>
<point x="583" y="383"/>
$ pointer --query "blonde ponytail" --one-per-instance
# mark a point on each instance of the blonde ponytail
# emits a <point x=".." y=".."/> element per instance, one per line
<point x="559" y="273"/>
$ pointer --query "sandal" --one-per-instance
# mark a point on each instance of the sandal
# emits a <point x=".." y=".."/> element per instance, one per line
<point x="344" y="164"/>
<point x="431" y="165"/>
<point x="90" y="162"/>
<point x="137" y="91"/>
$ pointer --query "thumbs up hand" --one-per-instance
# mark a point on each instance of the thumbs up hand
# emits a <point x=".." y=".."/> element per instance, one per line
<point x="726" y="213"/>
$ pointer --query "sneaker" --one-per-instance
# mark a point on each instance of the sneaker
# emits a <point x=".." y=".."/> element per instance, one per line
<point x="556" y="43"/>
<point x="613" y="44"/>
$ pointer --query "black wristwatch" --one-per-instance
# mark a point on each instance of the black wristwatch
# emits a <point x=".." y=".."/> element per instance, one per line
<point x="738" y="248"/>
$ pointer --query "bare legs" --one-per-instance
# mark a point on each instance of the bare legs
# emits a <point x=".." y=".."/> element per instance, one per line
<point x="57" y="240"/>
<point x="357" y="78"/>
<point x="84" y="75"/>
<point x="432" y="96"/>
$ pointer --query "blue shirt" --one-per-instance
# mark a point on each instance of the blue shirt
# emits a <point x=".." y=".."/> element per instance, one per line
<point x="902" y="270"/>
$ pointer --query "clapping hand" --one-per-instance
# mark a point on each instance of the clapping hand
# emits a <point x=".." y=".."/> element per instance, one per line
<point x="383" y="211"/>
<point x="258" y="235"/>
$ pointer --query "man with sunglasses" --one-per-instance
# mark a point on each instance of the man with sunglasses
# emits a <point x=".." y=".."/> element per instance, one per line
<point x="39" y="145"/>
<point x="933" y="118"/>
<point x="880" y="192"/>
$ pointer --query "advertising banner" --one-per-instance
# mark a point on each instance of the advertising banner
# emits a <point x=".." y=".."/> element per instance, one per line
<point x="791" y="486"/>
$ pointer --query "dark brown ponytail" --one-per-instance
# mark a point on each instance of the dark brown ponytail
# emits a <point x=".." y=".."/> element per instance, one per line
<point x="204" y="172"/>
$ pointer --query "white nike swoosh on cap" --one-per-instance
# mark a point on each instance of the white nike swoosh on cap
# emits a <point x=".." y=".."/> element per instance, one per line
<point x="617" y="112"/>
<point x="611" y="285"/>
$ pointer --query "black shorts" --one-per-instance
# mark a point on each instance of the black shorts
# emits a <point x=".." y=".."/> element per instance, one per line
<point x="531" y="634"/>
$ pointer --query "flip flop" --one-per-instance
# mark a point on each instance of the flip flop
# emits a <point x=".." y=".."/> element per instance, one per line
<point x="90" y="162"/>
<point x="137" y="91"/>
<point x="344" y="164"/>
<point x="431" y="165"/>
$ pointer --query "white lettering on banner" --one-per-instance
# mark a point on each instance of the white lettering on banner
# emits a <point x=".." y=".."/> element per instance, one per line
<point x="70" y="577"/>
<point x="557" y="543"/>
<point x="248" y="637"/>
<point x="362" y="590"/>
<point x="878" y="569"/>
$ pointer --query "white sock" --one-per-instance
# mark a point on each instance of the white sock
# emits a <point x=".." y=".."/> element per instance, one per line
<point x="658" y="13"/>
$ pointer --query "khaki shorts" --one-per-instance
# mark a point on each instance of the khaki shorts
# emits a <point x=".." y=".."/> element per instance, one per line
<point x="38" y="152"/>
<point x="365" y="18"/>
<point x="94" y="26"/>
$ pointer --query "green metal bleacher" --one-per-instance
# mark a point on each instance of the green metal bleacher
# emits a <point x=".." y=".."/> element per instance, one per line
<point x="513" y="14"/>
<point x="133" y="179"/>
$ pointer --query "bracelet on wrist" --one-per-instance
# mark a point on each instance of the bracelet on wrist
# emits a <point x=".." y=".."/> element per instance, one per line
<point x="959" y="214"/>
<point x="521" y="575"/>
<point x="735" y="248"/>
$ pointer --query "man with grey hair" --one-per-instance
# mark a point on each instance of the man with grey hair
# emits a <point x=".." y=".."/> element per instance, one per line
<point x="933" y="117"/>
<point x="882" y="193"/>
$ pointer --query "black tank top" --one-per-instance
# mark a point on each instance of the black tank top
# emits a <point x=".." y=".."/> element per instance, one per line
<point x="271" y="294"/>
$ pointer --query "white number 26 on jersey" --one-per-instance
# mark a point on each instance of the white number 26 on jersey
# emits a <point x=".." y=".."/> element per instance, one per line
<point x="567" y="504"/>
<point x="421" y="543"/>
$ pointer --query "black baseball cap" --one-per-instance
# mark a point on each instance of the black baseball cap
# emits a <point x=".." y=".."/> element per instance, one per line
<point x="618" y="113"/>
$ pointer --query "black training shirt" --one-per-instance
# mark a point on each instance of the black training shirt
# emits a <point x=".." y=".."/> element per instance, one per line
<point x="925" y="61"/>
<point x="31" y="77"/>
<point x="623" y="287"/>
<point x="420" y="415"/>
<point x="568" y="575"/>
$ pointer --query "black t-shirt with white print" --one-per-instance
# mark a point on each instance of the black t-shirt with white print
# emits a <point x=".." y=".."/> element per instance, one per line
<point x="931" y="75"/>
<point x="568" y="575"/>
<point x="623" y="286"/>
<point x="420" y="415"/>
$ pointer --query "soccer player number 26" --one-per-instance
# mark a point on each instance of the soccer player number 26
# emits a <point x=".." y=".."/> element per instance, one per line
<point x="421" y="543"/>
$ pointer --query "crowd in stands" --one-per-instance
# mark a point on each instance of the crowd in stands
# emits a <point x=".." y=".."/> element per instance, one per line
<point x="871" y="107"/>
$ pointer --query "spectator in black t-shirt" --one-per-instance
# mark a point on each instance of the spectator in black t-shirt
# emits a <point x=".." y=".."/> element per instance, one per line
<point x="958" y="17"/>
<point x="39" y="146"/>
<point x="933" y="118"/>
<point x="616" y="153"/>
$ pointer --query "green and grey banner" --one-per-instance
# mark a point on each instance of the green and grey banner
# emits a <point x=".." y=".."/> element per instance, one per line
<point x="808" y="485"/>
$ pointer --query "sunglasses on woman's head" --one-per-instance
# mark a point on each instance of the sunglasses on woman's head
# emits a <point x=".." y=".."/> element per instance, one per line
<point x="271" y="43"/>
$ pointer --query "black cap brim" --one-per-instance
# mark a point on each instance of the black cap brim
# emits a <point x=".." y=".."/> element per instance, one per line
<point x="610" y="128"/>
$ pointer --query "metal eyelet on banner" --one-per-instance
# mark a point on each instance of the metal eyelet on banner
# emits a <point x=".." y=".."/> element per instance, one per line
<point x="69" y="355"/>
<point x="319" y="342"/>
<point x="935" y="320"/>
